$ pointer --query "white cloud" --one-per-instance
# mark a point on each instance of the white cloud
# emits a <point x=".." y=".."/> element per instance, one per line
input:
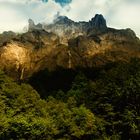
<point x="11" y="18"/>
<point x="125" y="16"/>
<point x="14" y="15"/>
<point x="119" y="13"/>
<point x="86" y="9"/>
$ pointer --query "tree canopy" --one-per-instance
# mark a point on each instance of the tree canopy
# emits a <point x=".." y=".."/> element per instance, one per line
<point x="102" y="103"/>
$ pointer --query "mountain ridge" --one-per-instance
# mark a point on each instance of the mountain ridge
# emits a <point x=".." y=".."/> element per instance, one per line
<point x="66" y="44"/>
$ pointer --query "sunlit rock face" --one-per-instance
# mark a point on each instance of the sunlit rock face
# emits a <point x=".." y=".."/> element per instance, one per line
<point x="14" y="52"/>
<point x="66" y="44"/>
<point x="27" y="53"/>
<point x="14" y="59"/>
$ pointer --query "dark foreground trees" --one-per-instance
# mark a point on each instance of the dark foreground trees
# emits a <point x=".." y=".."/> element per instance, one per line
<point x="23" y="115"/>
<point x="105" y="106"/>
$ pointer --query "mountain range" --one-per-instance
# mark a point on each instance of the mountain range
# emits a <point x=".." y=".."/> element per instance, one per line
<point x="67" y="44"/>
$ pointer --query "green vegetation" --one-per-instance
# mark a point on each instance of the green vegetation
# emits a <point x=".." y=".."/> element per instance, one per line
<point x="24" y="115"/>
<point x="99" y="103"/>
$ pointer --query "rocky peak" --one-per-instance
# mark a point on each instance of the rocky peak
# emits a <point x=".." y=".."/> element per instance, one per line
<point x="63" y="20"/>
<point x="32" y="25"/>
<point x="98" y="22"/>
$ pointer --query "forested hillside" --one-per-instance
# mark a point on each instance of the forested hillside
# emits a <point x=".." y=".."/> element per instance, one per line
<point x="82" y="104"/>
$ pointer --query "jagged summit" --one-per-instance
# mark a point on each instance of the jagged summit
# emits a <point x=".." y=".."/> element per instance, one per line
<point x="98" y="22"/>
<point x="65" y="27"/>
<point x="32" y="26"/>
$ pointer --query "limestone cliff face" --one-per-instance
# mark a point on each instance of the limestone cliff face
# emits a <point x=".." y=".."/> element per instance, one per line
<point x="27" y="53"/>
<point x="15" y="58"/>
<point x="66" y="44"/>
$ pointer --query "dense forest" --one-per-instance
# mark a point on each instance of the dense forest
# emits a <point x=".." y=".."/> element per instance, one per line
<point x="100" y="103"/>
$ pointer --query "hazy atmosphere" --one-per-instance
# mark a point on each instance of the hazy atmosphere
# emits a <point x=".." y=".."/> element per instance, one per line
<point x="118" y="13"/>
<point x="69" y="70"/>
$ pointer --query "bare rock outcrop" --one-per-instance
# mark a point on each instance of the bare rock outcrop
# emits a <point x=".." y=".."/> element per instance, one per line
<point x="66" y="44"/>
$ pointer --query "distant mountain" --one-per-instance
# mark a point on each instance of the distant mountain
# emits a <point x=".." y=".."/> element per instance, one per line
<point x="66" y="28"/>
<point x="67" y="44"/>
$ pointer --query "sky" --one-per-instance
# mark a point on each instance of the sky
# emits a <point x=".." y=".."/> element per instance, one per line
<point x="14" y="14"/>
